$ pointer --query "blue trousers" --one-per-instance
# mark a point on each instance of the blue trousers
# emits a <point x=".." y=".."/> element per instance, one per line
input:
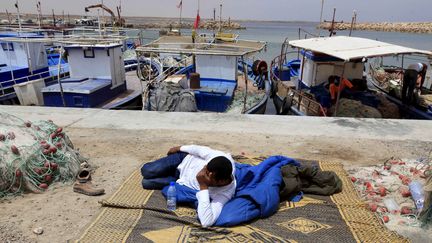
<point x="159" y="173"/>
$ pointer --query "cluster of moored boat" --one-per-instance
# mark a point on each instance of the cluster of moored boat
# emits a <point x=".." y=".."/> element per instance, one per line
<point x="207" y="73"/>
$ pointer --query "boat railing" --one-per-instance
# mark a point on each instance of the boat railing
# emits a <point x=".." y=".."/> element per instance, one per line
<point x="297" y="99"/>
<point x="277" y="64"/>
<point x="304" y="104"/>
<point x="170" y="70"/>
<point x="41" y="75"/>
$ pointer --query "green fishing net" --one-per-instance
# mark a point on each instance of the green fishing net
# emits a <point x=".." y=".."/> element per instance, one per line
<point x="33" y="155"/>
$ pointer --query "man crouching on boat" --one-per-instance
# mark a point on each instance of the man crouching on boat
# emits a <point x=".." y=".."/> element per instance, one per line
<point x="414" y="76"/>
<point x="209" y="172"/>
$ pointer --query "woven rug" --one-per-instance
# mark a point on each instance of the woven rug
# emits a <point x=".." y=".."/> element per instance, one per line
<point x="133" y="214"/>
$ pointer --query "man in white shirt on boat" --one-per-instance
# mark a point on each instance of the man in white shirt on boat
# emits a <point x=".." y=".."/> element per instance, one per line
<point x="413" y="78"/>
<point x="210" y="172"/>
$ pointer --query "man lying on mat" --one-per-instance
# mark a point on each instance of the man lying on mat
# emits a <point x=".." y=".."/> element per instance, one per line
<point x="210" y="172"/>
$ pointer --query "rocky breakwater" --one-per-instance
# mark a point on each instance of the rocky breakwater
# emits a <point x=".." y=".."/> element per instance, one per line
<point x="414" y="27"/>
<point x="210" y="25"/>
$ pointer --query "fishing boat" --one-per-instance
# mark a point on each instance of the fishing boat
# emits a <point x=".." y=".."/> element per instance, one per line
<point x="302" y="85"/>
<point x="98" y="78"/>
<point x="206" y="77"/>
<point x="24" y="57"/>
<point x="24" y="47"/>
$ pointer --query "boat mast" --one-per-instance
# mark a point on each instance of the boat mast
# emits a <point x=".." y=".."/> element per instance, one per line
<point x="58" y="76"/>
<point x="319" y="26"/>
<point x="19" y="16"/>
<point x="214" y="22"/>
<point x="103" y="14"/>
<point x="181" y="10"/>
<point x="220" y="18"/>
<point x="54" y="20"/>
<point x="38" y="6"/>
<point x="99" y="24"/>
<point x="333" y="22"/>
<point x="9" y="17"/>
<point x="353" y="20"/>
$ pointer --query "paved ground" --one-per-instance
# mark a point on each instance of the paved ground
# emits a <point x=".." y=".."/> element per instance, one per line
<point x="118" y="142"/>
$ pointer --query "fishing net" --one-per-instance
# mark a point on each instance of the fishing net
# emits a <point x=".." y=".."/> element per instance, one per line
<point x="237" y="105"/>
<point x="387" y="108"/>
<point x="354" y="108"/>
<point x="34" y="155"/>
<point x="426" y="214"/>
<point x="387" y="185"/>
<point x="387" y="80"/>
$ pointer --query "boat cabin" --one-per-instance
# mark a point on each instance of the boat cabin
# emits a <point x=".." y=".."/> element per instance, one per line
<point x="341" y="56"/>
<point x="20" y="58"/>
<point x="97" y="74"/>
<point x="348" y="60"/>
<point x="215" y="61"/>
<point x="318" y="67"/>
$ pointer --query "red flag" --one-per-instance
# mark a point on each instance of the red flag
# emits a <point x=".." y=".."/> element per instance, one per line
<point x="197" y="20"/>
<point x="180" y="4"/>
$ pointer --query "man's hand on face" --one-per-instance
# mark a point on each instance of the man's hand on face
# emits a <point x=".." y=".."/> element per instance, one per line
<point x="174" y="150"/>
<point x="203" y="179"/>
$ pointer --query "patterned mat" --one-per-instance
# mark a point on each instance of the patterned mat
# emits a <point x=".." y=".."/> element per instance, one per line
<point x="133" y="214"/>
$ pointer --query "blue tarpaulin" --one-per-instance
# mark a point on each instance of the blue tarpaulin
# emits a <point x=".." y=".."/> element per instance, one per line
<point x="257" y="192"/>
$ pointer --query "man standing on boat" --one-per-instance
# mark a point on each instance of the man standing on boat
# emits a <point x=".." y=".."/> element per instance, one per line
<point x="209" y="173"/>
<point x="413" y="77"/>
<point x="335" y="86"/>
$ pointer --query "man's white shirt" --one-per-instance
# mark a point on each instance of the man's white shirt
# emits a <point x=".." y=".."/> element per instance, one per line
<point x="211" y="201"/>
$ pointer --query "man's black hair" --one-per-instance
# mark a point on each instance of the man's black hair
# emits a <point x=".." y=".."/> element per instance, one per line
<point x="221" y="167"/>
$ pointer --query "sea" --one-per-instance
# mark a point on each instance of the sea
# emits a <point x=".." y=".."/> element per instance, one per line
<point x="275" y="33"/>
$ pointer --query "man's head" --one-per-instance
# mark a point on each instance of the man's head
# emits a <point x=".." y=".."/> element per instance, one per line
<point x="219" y="171"/>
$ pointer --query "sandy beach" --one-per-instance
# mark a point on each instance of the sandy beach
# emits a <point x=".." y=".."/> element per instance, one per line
<point x="115" y="151"/>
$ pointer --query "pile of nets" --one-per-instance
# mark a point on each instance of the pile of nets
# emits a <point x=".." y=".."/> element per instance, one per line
<point x="34" y="155"/>
<point x="387" y="108"/>
<point x="354" y="108"/>
<point x="237" y="105"/>
<point x="387" y="80"/>
<point x="385" y="189"/>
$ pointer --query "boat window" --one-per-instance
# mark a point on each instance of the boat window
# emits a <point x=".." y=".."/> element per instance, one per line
<point x="7" y="46"/>
<point x="89" y="53"/>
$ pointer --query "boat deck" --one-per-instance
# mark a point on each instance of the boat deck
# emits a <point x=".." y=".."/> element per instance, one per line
<point x="134" y="89"/>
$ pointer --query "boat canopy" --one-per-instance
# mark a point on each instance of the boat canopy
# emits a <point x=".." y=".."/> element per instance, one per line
<point x="202" y="46"/>
<point x="351" y="48"/>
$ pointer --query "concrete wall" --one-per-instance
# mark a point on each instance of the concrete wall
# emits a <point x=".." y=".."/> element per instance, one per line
<point x="291" y="126"/>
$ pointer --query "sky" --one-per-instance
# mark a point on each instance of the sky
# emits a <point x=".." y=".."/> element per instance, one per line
<point x="280" y="10"/>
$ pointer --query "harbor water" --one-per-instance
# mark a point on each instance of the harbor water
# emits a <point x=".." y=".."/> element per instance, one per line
<point x="274" y="33"/>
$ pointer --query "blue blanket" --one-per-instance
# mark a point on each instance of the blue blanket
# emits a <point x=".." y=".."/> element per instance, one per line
<point x="257" y="192"/>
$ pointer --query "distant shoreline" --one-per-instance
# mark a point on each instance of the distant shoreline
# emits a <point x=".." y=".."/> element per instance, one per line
<point x="402" y="27"/>
<point x="235" y="24"/>
<point x="74" y="16"/>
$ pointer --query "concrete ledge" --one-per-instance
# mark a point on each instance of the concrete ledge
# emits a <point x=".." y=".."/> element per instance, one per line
<point x="385" y="129"/>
